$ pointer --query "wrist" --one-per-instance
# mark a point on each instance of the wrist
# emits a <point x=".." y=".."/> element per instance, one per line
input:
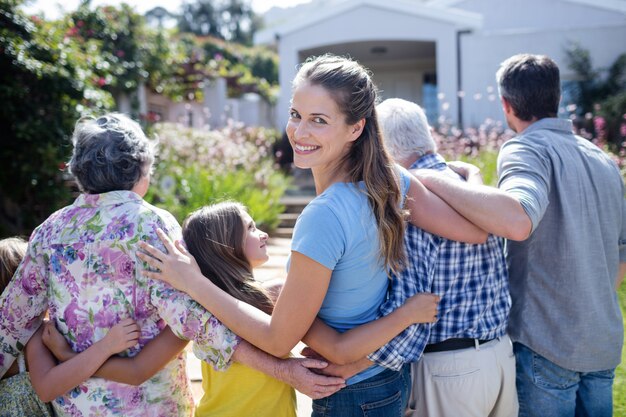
<point x="66" y="355"/>
<point x="406" y="316"/>
<point x="281" y="371"/>
<point x="104" y="347"/>
<point x="192" y="285"/>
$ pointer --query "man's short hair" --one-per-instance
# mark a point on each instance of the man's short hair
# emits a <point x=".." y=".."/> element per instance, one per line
<point x="531" y="85"/>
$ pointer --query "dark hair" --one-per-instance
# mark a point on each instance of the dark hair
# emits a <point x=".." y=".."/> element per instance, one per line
<point x="214" y="235"/>
<point x="351" y="87"/>
<point x="111" y="153"/>
<point x="12" y="251"/>
<point x="531" y="85"/>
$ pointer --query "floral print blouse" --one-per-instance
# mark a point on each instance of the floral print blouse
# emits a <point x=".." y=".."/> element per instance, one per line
<point x="82" y="267"/>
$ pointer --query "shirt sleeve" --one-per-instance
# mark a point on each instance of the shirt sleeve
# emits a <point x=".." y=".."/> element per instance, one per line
<point x="417" y="277"/>
<point x="318" y="234"/>
<point x="525" y="174"/>
<point x="405" y="181"/>
<point x="213" y="342"/>
<point x="23" y="302"/>
<point x="622" y="240"/>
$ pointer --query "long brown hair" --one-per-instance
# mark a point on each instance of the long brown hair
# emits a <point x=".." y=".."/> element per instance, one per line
<point x="214" y="235"/>
<point x="352" y="88"/>
<point x="12" y="251"/>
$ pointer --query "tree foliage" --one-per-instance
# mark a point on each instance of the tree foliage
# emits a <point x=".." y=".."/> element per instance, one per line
<point x="231" y="20"/>
<point x="42" y="85"/>
<point x="54" y="72"/>
<point x="600" y="96"/>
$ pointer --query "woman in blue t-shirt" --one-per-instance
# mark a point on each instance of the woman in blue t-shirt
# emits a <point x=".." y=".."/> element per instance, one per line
<point x="346" y="242"/>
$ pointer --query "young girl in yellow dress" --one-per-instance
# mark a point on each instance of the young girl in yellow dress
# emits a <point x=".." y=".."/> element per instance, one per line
<point x="227" y="246"/>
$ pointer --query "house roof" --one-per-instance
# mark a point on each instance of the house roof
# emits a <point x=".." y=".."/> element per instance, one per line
<point x="332" y="8"/>
<point x="611" y="5"/>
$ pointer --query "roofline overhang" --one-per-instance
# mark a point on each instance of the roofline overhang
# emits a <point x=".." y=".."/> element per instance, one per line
<point x="457" y="17"/>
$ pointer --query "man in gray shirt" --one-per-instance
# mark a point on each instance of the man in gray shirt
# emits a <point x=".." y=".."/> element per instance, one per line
<point x="560" y="204"/>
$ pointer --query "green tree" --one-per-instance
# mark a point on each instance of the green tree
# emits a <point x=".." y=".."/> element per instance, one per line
<point x="600" y="92"/>
<point x="41" y="89"/>
<point x="200" y="18"/>
<point x="231" y="20"/>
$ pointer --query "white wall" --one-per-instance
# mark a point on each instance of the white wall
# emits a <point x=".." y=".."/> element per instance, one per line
<point x="479" y="67"/>
<point x="503" y="15"/>
<point x="366" y="23"/>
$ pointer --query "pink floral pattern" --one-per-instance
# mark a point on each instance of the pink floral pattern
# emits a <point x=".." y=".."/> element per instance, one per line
<point x="81" y="266"/>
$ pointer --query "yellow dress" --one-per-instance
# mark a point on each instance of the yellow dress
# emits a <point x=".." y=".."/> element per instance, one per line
<point x="241" y="392"/>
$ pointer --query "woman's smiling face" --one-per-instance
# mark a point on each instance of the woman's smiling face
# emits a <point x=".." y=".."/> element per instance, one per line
<point x="317" y="129"/>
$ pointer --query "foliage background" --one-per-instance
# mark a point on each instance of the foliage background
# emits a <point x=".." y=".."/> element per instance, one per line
<point x="53" y="72"/>
<point x="198" y="167"/>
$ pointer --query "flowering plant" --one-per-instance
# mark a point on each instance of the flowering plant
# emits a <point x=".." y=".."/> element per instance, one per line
<point x="198" y="167"/>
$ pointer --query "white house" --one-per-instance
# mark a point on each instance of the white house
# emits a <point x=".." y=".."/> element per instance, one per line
<point x="444" y="54"/>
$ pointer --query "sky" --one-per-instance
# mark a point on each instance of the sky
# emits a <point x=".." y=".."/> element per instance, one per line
<point x="52" y="8"/>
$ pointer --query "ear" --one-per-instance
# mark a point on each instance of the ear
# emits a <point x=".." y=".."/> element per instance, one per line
<point x="506" y="106"/>
<point x="356" y="130"/>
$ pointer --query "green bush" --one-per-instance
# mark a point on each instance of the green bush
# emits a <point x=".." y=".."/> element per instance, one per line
<point x="619" y="385"/>
<point x="200" y="167"/>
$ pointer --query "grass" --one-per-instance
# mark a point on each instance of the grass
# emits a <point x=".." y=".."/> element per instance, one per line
<point x="619" y="387"/>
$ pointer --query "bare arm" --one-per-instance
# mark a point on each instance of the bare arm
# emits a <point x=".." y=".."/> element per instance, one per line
<point x="356" y="343"/>
<point x="341" y="371"/>
<point x="296" y="307"/>
<point x="293" y="371"/>
<point x="132" y="371"/>
<point x="51" y="380"/>
<point x="431" y="213"/>
<point x="489" y="208"/>
<point x="470" y="172"/>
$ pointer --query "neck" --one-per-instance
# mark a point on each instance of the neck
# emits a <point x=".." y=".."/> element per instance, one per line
<point x="324" y="179"/>
<point x="519" y="125"/>
<point x="411" y="159"/>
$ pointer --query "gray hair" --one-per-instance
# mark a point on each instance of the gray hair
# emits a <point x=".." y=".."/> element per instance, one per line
<point x="111" y="153"/>
<point x="405" y="128"/>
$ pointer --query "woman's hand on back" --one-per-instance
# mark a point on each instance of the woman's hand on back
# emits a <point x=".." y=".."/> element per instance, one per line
<point x="422" y="307"/>
<point x="176" y="267"/>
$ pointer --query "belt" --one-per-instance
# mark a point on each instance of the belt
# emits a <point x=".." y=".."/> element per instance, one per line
<point x="454" y="344"/>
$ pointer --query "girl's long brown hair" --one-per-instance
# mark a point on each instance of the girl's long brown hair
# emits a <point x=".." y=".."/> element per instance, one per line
<point x="214" y="235"/>
<point x="12" y="251"/>
<point x="352" y="88"/>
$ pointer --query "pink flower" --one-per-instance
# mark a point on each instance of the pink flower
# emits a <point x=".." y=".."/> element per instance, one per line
<point x="121" y="266"/>
<point x="31" y="285"/>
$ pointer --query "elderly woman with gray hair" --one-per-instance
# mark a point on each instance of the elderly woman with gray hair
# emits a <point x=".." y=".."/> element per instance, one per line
<point x="81" y="266"/>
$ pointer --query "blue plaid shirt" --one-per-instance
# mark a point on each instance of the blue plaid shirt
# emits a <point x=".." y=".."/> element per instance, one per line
<point x="472" y="281"/>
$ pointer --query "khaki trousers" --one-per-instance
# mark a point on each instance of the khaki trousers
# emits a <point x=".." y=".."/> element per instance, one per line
<point x="473" y="382"/>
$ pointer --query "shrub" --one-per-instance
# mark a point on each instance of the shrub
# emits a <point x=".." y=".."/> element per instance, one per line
<point x="478" y="146"/>
<point x="200" y="167"/>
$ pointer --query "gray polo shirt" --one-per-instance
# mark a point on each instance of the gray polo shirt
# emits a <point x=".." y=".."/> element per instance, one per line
<point x="562" y="278"/>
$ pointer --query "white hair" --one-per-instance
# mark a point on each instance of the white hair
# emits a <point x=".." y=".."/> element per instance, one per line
<point x="405" y="128"/>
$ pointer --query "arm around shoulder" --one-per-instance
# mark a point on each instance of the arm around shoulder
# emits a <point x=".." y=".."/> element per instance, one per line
<point x="489" y="208"/>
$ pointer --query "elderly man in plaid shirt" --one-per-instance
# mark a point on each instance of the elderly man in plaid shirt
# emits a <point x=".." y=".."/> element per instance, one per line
<point x="462" y="365"/>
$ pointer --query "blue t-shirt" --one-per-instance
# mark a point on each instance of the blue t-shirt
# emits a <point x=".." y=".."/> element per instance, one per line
<point x="338" y="229"/>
